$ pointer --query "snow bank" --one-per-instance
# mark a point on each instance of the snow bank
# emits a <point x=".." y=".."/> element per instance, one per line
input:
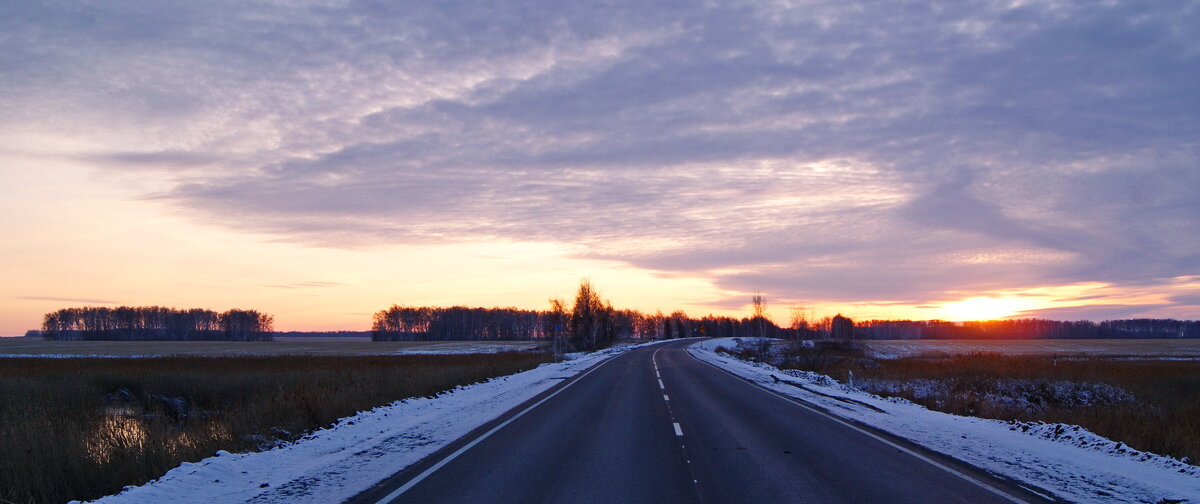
<point x="459" y="347"/>
<point x="73" y="356"/>
<point x="1069" y="461"/>
<point x="334" y="464"/>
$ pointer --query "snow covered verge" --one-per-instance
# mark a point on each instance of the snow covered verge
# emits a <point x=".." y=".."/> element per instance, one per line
<point x="466" y="347"/>
<point x="336" y="463"/>
<point x="1067" y="460"/>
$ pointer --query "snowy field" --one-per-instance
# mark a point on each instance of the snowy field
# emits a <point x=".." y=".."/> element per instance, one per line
<point x="1110" y="348"/>
<point x="1068" y="461"/>
<point x="34" y="347"/>
<point x="334" y="464"/>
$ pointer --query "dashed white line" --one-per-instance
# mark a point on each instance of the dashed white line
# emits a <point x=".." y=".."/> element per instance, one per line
<point x="665" y="398"/>
<point x="678" y="431"/>
<point x="660" y="384"/>
<point x="432" y="469"/>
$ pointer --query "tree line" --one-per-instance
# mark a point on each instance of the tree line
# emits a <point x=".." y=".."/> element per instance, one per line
<point x="592" y="323"/>
<point x="589" y="323"/>
<point x="145" y="323"/>
<point x="1142" y="328"/>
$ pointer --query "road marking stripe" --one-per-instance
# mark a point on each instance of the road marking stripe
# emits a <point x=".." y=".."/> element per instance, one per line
<point x="665" y="398"/>
<point x="678" y="431"/>
<point x="413" y="482"/>
<point x="660" y="384"/>
<point x="798" y="402"/>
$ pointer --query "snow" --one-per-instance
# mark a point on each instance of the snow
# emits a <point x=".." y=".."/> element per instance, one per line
<point x="1065" y="460"/>
<point x="1125" y="349"/>
<point x="336" y="463"/>
<point x="447" y="348"/>
<point x="74" y="356"/>
<point x="459" y="347"/>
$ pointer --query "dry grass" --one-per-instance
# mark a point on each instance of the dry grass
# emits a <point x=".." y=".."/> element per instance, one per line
<point x="84" y="428"/>
<point x="1162" y="416"/>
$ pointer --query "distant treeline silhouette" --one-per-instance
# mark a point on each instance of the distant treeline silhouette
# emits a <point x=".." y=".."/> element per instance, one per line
<point x="1028" y="329"/>
<point x="591" y="323"/>
<point x="322" y="334"/>
<point x="147" y="323"/>
<point x="588" y="324"/>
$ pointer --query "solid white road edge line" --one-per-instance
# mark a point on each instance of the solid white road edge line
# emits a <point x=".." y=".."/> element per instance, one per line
<point x="858" y="429"/>
<point x="413" y="482"/>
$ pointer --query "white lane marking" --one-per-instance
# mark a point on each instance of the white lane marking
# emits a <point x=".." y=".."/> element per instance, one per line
<point x="918" y="456"/>
<point x="671" y="414"/>
<point x="413" y="482"/>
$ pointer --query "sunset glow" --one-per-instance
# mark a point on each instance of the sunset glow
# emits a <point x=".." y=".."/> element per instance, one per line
<point x="980" y="308"/>
<point x="365" y="156"/>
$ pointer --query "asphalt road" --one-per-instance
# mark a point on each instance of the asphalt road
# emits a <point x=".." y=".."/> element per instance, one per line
<point x="622" y="434"/>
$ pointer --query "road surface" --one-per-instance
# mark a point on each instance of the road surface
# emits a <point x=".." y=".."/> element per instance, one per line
<point x="655" y="425"/>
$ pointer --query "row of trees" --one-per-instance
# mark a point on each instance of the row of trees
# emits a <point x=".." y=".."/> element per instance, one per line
<point x="589" y="323"/>
<point x="838" y="327"/>
<point x="144" y="323"/>
<point x="1029" y="329"/>
<point x="401" y="323"/>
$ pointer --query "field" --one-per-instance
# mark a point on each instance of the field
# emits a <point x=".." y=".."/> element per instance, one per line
<point x="81" y="428"/>
<point x="1115" y="388"/>
<point x="36" y="347"/>
<point x="1106" y="348"/>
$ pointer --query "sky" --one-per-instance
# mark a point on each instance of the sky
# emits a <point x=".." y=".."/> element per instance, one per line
<point x="322" y="160"/>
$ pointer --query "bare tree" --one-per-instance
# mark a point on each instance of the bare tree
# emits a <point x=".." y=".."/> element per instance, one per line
<point x="759" y="319"/>
<point x="799" y="322"/>
<point x="760" y="313"/>
<point x="591" y="319"/>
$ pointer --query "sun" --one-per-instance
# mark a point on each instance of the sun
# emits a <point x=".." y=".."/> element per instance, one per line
<point x="980" y="308"/>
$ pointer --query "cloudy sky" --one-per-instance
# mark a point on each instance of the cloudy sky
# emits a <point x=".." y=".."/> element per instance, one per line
<point x="324" y="159"/>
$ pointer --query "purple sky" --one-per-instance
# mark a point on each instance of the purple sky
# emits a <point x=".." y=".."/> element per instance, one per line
<point x="826" y="152"/>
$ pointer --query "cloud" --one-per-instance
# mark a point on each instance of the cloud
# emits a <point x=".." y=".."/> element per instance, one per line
<point x="1096" y="312"/>
<point x="1187" y="299"/>
<point x="166" y="159"/>
<point x="808" y="149"/>
<point x="65" y="299"/>
<point x="305" y="285"/>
